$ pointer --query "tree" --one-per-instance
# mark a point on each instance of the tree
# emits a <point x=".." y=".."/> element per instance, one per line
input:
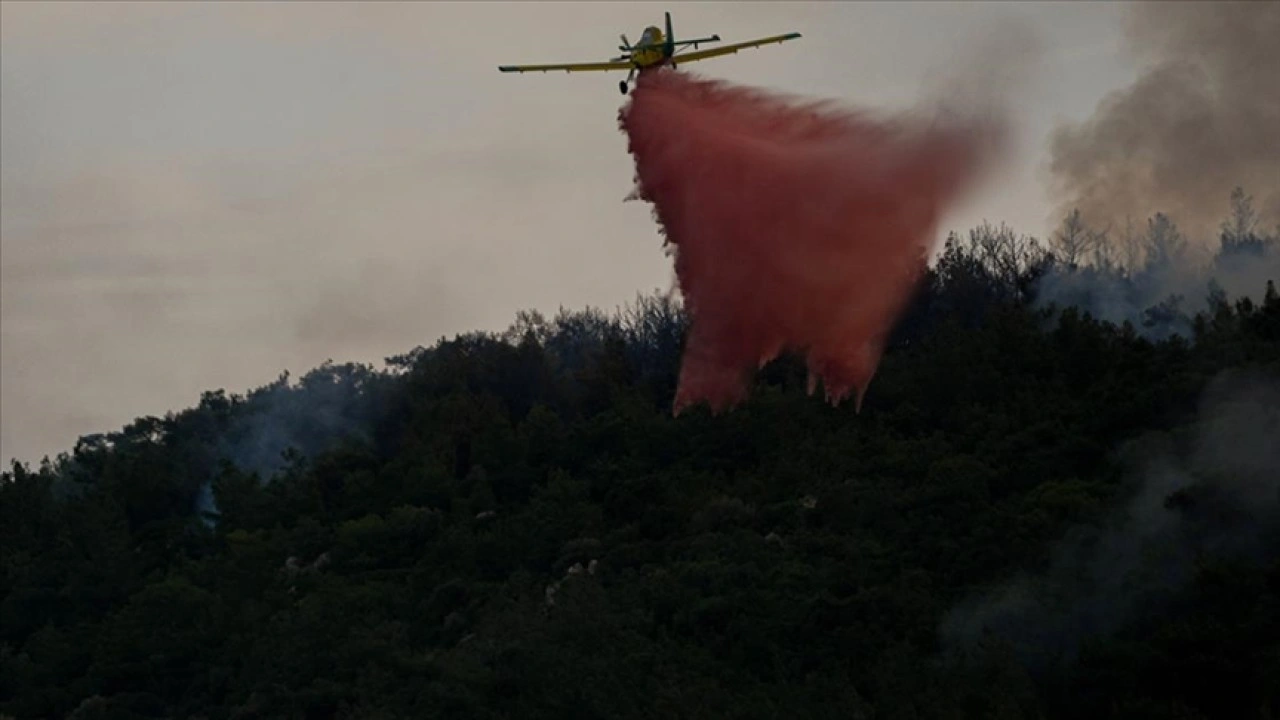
<point x="1073" y="241"/>
<point x="1240" y="223"/>
<point x="513" y="525"/>
<point x="1166" y="246"/>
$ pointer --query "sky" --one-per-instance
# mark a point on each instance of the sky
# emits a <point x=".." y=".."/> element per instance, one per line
<point x="201" y="196"/>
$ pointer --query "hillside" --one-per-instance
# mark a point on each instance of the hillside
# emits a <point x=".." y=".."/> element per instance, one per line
<point x="1041" y="511"/>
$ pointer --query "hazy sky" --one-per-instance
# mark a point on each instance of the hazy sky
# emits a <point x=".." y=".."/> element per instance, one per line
<point x="199" y="196"/>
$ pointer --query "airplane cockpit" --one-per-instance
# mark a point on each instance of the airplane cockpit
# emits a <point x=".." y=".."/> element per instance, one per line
<point x="652" y="35"/>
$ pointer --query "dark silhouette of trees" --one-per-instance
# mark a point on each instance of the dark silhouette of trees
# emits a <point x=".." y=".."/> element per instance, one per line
<point x="512" y="524"/>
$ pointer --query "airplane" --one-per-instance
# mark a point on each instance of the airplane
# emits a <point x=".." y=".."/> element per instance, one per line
<point x="654" y="50"/>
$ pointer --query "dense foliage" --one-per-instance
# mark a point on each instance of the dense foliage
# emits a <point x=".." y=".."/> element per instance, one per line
<point x="514" y="526"/>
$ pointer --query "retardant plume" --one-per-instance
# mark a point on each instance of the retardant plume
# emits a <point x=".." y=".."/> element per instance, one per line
<point x="1201" y="119"/>
<point x="796" y="226"/>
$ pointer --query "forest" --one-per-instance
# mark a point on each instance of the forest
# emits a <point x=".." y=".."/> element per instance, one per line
<point x="1060" y="499"/>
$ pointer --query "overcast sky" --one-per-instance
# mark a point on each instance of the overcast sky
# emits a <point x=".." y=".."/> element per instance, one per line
<point x="199" y="196"/>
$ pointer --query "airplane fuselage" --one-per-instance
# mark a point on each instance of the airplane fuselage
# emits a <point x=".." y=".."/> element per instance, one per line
<point x="649" y="51"/>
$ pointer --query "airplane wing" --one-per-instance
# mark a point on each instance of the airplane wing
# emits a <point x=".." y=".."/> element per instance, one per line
<point x="567" y="67"/>
<point x="730" y="49"/>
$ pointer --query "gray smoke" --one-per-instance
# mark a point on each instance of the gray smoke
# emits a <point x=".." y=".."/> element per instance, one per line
<point x="283" y="419"/>
<point x="207" y="506"/>
<point x="1156" y="278"/>
<point x="1210" y="490"/>
<point x="1202" y="118"/>
<point x="261" y="433"/>
<point x="286" y="422"/>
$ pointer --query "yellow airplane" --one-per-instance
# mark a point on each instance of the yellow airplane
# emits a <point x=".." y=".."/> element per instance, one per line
<point x="654" y="50"/>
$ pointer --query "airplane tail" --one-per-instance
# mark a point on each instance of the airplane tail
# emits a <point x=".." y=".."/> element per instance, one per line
<point x="670" y="49"/>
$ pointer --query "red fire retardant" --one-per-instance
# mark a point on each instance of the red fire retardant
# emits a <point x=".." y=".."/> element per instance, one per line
<point x="796" y="226"/>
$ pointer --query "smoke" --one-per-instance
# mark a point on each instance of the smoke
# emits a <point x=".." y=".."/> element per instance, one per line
<point x="1156" y="280"/>
<point x="1201" y="119"/>
<point x="991" y="72"/>
<point x="283" y="420"/>
<point x="1212" y="490"/>
<point x="274" y="427"/>
<point x="1199" y="125"/>
<point x="795" y="226"/>
<point x="207" y="506"/>
<point x="283" y="423"/>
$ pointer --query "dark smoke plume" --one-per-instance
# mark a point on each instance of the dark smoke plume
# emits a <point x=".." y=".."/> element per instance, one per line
<point x="1202" y="118"/>
<point x="796" y="227"/>
<point x="1211" y="491"/>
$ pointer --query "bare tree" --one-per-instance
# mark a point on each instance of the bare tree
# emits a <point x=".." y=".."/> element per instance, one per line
<point x="1130" y="246"/>
<point x="1243" y="219"/>
<point x="1003" y="253"/>
<point x="1072" y="241"/>
<point x="1165" y="243"/>
<point x="1105" y="255"/>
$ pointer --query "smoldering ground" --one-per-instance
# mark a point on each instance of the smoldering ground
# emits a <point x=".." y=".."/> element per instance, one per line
<point x="1210" y="490"/>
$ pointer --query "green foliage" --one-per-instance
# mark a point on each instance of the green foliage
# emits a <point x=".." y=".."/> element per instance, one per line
<point x="513" y="525"/>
